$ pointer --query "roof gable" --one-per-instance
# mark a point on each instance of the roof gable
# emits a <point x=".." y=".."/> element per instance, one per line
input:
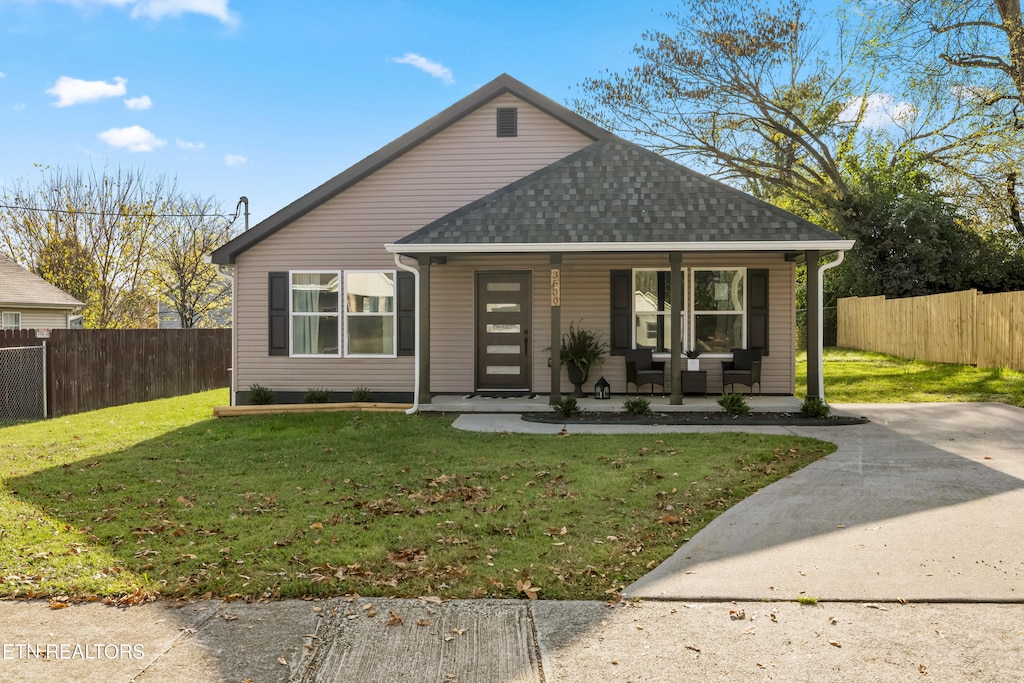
<point x="614" y="191"/>
<point x="19" y="287"/>
<point x="379" y="159"/>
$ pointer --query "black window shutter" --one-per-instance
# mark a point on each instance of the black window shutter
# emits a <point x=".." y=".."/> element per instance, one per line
<point x="277" y="331"/>
<point x="508" y="122"/>
<point x="622" y="312"/>
<point x="757" y="309"/>
<point x="406" y="308"/>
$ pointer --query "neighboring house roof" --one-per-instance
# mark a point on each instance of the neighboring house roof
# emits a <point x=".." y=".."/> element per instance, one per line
<point x="499" y="86"/>
<point x="20" y="288"/>
<point x="614" y="192"/>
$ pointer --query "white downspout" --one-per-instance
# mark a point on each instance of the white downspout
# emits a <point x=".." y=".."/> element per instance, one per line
<point x="228" y="273"/>
<point x="821" y="322"/>
<point x="416" y="352"/>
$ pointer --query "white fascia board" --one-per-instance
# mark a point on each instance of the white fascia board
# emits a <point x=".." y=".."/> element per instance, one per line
<point x="613" y="247"/>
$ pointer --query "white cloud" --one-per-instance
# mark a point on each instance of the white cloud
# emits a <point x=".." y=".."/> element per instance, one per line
<point x="433" y="68"/>
<point x="133" y="138"/>
<point x="138" y="103"/>
<point x="158" y="9"/>
<point x="3" y="75"/>
<point x="234" y="160"/>
<point x="71" y="91"/>
<point x="881" y="110"/>
<point x="185" y="144"/>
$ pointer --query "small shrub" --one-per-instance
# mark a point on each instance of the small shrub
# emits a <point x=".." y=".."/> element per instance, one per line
<point x="316" y="395"/>
<point x="734" y="404"/>
<point x="637" y="406"/>
<point x="260" y="395"/>
<point x="814" y="407"/>
<point x="362" y="394"/>
<point x="567" y="407"/>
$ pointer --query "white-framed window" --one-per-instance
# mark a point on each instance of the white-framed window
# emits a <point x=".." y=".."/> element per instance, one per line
<point x="370" y="326"/>
<point x="652" y="309"/>
<point x="719" y="305"/>
<point x="315" y="317"/>
<point x="11" y="320"/>
<point x="714" y="315"/>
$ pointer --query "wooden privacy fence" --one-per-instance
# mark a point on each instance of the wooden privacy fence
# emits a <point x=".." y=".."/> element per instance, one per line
<point x="91" y="369"/>
<point x="966" y="327"/>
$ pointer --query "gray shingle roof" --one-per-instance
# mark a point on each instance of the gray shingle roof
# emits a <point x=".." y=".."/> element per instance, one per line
<point x="612" y="192"/>
<point x="19" y="287"/>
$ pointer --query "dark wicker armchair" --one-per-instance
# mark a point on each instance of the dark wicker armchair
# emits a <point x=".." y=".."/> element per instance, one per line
<point x="642" y="369"/>
<point x="744" y="368"/>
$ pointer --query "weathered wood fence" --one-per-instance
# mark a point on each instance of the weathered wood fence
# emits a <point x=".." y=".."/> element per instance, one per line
<point x="966" y="327"/>
<point x="91" y="369"/>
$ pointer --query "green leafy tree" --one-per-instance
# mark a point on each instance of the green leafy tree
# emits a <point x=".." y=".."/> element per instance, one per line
<point x="65" y="263"/>
<point x="972" y="50"/>
<point x="191" y="287"/>
<point x="117" y="240"/>
<point x="751" y="92"/>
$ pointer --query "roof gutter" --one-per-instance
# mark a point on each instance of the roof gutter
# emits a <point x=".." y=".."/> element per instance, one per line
<point x="592" y="247"/>
<point x="416" y="352"/>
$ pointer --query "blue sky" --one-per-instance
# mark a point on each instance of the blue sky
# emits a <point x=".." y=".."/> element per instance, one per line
<point x="266" y="98"/>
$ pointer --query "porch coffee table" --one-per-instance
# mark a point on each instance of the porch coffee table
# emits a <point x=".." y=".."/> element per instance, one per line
<point x="694" y="382"/>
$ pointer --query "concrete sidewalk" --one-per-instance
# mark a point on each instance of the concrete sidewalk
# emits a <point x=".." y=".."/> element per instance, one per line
<point x="921" y="505"/>
<point x="369" y="640"/>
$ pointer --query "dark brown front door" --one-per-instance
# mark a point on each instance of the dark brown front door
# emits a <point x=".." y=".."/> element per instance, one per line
<point x="503" y="322"/>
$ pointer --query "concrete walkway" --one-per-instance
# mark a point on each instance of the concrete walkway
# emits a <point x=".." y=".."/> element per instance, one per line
<point x="922" y="505"/>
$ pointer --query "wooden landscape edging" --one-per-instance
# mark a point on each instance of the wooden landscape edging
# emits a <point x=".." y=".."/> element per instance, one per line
<point x="279" y="409"/>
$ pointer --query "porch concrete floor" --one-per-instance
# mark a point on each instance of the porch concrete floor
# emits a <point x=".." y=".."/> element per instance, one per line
<point x="539" y="404"/>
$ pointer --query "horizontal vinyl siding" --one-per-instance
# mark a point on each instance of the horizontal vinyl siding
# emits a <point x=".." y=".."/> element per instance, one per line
<point x="585" y="291"/>
<point x="459" y="165"/>
<point x="36" y="318"/>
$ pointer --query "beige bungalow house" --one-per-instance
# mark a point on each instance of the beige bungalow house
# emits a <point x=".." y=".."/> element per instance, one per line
<point x="452" y="260"/>
<point x="28" y="302"/>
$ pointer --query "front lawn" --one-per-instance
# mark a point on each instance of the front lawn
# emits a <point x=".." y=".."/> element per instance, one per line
<point x="158" y="498"/>
<point x="853" y="376"/>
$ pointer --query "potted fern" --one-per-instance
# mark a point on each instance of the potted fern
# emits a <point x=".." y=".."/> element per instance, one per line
<point x="581" y="349"/>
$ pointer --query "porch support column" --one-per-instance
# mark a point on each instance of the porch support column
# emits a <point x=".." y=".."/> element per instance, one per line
<point x="675" y="281"/>
<point x="813" y="325"/>
<point x="424" y="329"/>
<point x="556" y="329"/>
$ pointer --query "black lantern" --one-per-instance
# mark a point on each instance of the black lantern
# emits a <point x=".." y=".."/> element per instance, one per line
<point x="601" y="389"/>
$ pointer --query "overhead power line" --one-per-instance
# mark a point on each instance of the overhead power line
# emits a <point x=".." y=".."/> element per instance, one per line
<point x="233" y="217"/>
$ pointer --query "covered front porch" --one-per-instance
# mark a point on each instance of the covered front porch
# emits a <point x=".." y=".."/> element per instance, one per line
<point x="647" y="253"/>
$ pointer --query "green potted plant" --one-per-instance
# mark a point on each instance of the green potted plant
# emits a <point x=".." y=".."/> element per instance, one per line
<point x="581" y="348"/>
<point x="692" y="362"/>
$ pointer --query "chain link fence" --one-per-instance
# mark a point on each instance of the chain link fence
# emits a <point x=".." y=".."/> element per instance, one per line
<point x="23" y="383"/>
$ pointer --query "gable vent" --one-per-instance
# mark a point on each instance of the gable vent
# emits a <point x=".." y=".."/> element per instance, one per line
<point x="507" y="122"/>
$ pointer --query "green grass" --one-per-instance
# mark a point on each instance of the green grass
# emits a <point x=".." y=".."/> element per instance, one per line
<point x="159" y="498"/>
<point x="864" y="377"/>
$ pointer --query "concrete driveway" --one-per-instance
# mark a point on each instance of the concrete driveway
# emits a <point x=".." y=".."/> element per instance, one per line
<point x="923" y="504"/>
